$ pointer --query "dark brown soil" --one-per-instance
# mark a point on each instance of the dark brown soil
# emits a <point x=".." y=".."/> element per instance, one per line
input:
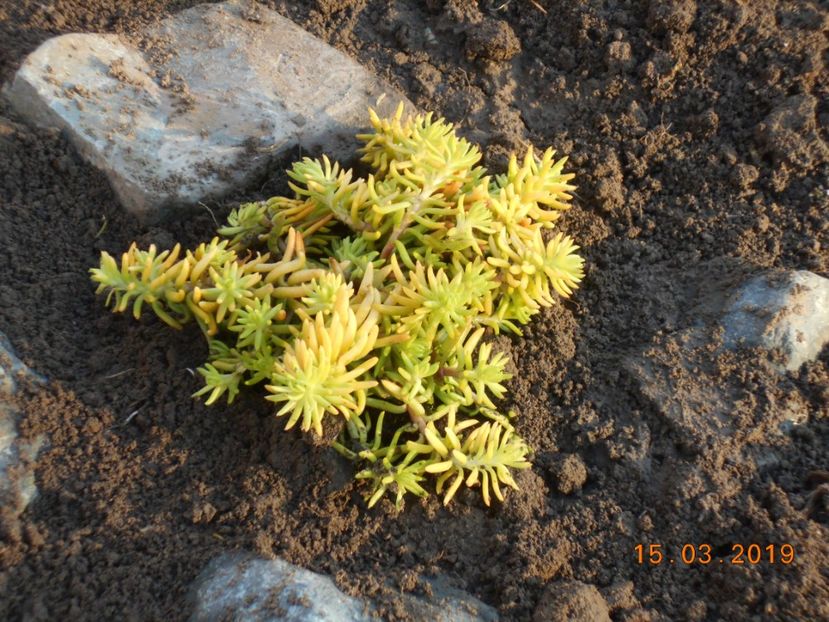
<point x="698" y="134"/>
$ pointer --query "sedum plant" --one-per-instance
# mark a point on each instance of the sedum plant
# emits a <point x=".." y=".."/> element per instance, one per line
<point x="362" y="304"/>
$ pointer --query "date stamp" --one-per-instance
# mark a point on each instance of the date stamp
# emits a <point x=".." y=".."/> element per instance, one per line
<point x="703" y="554"/>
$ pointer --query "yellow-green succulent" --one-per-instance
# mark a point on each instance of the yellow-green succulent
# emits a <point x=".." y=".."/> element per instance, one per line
<point x="363" y="303"/>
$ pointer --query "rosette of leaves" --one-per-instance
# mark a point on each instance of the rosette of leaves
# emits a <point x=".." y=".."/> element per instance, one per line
<point x="363" y="304"/>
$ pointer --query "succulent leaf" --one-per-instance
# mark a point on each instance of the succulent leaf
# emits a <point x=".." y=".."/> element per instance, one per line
<point x="364" y="303"/>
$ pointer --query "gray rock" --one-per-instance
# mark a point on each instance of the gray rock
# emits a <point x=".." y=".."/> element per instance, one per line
<point x="215" y="92"/>
<point x="242" y="587"/>
<point x="17" y="483"/>
<point x="788" y="312"/>
<point x="239" y="586"/>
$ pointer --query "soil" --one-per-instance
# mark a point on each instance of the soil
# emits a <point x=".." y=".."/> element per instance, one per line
<point x="698" y="133"/>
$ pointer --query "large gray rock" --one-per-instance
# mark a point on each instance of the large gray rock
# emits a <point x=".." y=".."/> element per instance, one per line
<point x="788" y="312"/>
<point x="17" y="483"/>
<point x="241" y="587"/>
<point x="214" y="93"/>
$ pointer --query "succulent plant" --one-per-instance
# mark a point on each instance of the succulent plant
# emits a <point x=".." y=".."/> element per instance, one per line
<point x="363" y="304"/>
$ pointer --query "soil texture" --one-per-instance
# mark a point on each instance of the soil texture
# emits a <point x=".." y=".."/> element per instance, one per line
<point x="698" y="134"/>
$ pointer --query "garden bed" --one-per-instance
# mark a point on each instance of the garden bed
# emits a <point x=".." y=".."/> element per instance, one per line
<point x="697" y="132"/>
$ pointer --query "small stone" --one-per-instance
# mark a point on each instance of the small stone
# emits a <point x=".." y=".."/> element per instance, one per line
<point x="787" y="312"/>
<point x="571" y="601"/>
<point x="570" y="474"/>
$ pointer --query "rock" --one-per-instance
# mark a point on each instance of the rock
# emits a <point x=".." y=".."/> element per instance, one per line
<point x="237" y="586"/>
<point x="17" y="483"/>
<point x="786" y="311"/>
<point x="215" y="93"/>
<point x="571" y="601"/>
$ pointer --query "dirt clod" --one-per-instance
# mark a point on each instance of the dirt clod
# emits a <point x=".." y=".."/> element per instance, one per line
<point x="572" y="601"/>
<point x="493" y="40"/>
<point x="571" y="474"/>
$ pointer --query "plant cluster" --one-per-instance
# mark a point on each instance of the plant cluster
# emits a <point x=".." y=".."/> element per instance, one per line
<point x="362" y="303"/>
